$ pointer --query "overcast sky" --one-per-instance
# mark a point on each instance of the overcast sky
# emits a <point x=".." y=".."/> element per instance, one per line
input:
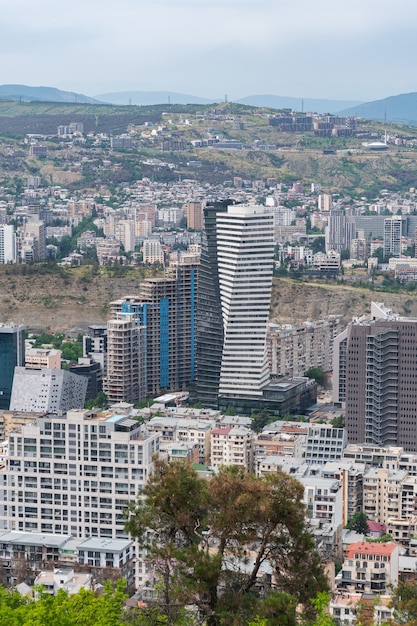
<point x="338" y="49"/>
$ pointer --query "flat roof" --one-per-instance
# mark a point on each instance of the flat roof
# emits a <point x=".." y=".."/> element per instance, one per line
<point x="101" y="543"/>
<point x="34" y="539"/>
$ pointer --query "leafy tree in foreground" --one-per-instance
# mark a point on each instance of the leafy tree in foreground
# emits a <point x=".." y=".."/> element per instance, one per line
<point x="210" y="541"/>
<point x="404" y="603"/>
<point x="85" y="607"/>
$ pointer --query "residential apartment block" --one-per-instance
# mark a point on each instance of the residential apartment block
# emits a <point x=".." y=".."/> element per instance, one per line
<point x="375" y="378"/>
<point x="74" y="473"/>
<point x="292" y="350"/>
<point x="370" y="567"/>
<point x="232" y="446"/>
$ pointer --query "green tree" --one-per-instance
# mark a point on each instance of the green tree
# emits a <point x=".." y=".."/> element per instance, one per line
<point x="404" y="603"/>
<point x="261" y="419"/>
<point x="358" y="522"/>
<point x="85" y="607"/>
<point x="205" y="536"/>
<point x="101" y="401"/>
<point x="318" y="374"/>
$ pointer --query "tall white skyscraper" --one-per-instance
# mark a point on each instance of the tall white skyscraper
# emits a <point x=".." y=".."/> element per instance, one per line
<point x="392" y="236"/>
<point x="7" y="244"/>
<point x="245" y="250"/>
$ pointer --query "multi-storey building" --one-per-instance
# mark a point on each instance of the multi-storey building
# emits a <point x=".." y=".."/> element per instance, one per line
<point x="152" y="252"/>
<point x="245" y="261"/>
<point x="325" y="443"/>
<point x="41" y="357"/>
<point x="382" y="493"/>
<point x="279" y="444"/>
<point x="195" y="215"/>
<point x="47" y="390"/>
<point x="350" y="476"/>
<point x="374" y="375"/>
<point x="177" y="429"/>
<point x="292" y="350"/>
<point x="7" y="244"/>
<point x="12" y="354"/>
<point x="164" y="310"/>
<point x="209" y="325"/>
<point x="95" y="345"/>
<point x="75" y="473"/>
<point x="392" y="236"/>
<point x="232" y="446"/>
<point x="370" y="568"/>
<point x="126" y="358"/>
<point x="340" y="231"/>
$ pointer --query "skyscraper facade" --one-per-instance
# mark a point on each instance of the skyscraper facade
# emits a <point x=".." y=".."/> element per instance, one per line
<point x="12" y="354"/>
<point x="7" y="244"/>
<point x="392" y="236"/>
<point x="245" y="259"/>
<point x="237" y="258"/>
<point x="375" y="377"/>
<point x="209" y="323"/>
<point x="159" y="333"/>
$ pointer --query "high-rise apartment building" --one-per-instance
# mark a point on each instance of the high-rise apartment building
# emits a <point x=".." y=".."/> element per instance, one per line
<point x="162" y="317"/>
<point x="75" y="473"/>
<point x="292" y="350"/>
<point x="375" y="377"/>
<point x="126" y="376"/>
<point x="245" y="250"/>
<point x="340" y="231"/>
<point x="233" y="302"/>
<point x="209" y="324"/>
<point x="12" y="354"/>
<point x="7" y="244"/>
<point x="194" y="212"/>
<point x="392" y="236"/>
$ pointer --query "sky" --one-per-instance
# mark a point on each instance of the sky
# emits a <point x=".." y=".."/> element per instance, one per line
<point x="337" y="49"/>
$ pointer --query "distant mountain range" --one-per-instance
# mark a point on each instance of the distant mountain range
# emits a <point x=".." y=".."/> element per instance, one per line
<point x="401" y="109"/>
<point x="42" y="94"/>
<point x="269" y="101"/>
<point x="298" y="104"/>
<point x="143" y="98"/>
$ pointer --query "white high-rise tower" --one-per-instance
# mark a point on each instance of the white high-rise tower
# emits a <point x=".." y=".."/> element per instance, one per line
<point x="245" y="250"/>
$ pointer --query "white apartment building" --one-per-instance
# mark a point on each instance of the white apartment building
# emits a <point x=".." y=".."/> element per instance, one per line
<point x="172" y="429"/>
<point x="325" y="443"/>
<point x="232" y="446"/>
<point x="125" y="231"/>
<point x="152" y="252"/>
<point x="7" y="244"/>
<point x="74" y="473"/>
<point x="245" y="261"/>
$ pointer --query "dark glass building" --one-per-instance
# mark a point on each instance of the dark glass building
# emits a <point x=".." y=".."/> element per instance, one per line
<point x="12" y="354"/>
<point x="209" y="322"/>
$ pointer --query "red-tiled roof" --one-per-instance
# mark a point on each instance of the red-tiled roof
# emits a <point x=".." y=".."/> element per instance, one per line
<point x="365" y="547"/>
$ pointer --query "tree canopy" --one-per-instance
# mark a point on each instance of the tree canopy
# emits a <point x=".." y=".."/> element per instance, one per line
<point x="236" y="546"/>
<point x="85" y="607"/>
<point x="358" y="522"/>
